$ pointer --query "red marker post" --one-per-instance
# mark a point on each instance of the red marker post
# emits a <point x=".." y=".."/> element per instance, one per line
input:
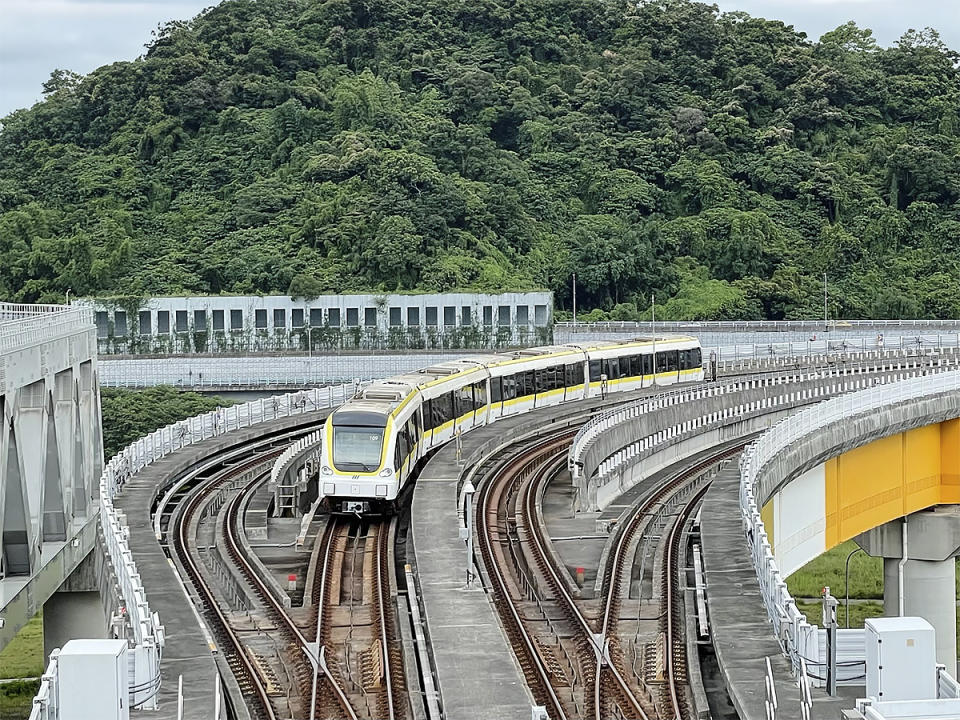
<point x="291" y="582"/>
<point x="579" y="577"/>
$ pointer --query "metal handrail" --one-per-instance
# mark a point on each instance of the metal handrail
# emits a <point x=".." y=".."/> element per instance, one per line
<point x="28" y="325"/>
<point x="798" y="638"/>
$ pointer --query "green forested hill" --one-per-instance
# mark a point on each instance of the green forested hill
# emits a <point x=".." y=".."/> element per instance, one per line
<point x="723" y="162"/>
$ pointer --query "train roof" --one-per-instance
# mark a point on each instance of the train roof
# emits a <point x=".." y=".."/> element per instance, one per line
<point x="384" y="396"/>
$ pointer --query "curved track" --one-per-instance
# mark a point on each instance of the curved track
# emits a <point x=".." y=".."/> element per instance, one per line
<point x="531" y="590"/>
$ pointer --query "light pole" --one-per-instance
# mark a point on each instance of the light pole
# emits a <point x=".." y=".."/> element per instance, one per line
<point x="69" y="290"/>
<point x="846" y="585"/>
<point x="309" y="333"/>
<point x="468" y="491"/>
<point x="826" y="322"/>
<point x="653" y="332"/>
<point x="574" y="299"/>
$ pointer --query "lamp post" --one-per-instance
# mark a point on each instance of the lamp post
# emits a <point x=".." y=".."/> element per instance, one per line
<point x="69" y="290"/>
<point x="846" y="585"/>
<point x="826" y="321"/>
<point x="468" y="491"/>
<point x="309" y="329"/>
<point x="653" y="332"/>
<point x="574" y="299"/>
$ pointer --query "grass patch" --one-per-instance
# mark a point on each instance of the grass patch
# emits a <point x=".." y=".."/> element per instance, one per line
<point x="23" y="656"/>
<point x="866" y="575"/>
<point x="16" y="699"/>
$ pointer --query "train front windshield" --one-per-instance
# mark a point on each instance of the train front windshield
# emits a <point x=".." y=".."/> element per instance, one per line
<point x="357" y="449"/>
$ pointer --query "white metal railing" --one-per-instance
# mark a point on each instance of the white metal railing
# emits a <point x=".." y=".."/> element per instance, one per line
<point x="46" y="701"/>
<point x="798" y="638"/>
<point x="838" y="380"/>
<point x="145" y="627"/>
<point x="751" y="325"/>
<point x="27" y="325"/>
<point x="285" y="494"/>
<point x="240" y="372"/>
<point x="589" y="433"/>
<point x="778" y="346"/>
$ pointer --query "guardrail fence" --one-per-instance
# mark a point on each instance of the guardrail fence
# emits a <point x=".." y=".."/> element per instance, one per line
<point x="799" y="639"/>
<point x="144" y="626"/>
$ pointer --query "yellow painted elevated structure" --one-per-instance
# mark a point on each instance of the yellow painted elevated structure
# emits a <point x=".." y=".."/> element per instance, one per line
<point x="862" y="489"/>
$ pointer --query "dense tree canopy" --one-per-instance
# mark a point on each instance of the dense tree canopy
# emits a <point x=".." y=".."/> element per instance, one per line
<point x="132" y="414"/>
<point x="720" y="161"/>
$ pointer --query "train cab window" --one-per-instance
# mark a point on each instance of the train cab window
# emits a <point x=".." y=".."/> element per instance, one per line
<point x="357" y="448"/>
<point x="594" y="371"/>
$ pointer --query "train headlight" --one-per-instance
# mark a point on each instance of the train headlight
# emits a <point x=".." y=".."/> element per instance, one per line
<point x="386" y="472"/>
<point x="324" y="470"/>
<point x="329" y="488"/>
<point x="381" y="490"/>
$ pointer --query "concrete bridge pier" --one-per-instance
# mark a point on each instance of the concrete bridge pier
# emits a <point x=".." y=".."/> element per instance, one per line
<point x="929" y="573"/>
<point x="80" y="608"/>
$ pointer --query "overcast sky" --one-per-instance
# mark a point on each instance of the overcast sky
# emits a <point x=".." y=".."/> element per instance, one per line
<point x="37" y="36"/>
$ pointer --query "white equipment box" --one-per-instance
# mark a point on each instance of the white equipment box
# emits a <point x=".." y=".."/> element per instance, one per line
<point x="901" y="656"/>
<point x="93" y="680"/>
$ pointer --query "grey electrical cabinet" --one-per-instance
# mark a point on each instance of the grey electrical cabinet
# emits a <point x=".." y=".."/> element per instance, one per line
<point x="93" y="680"/>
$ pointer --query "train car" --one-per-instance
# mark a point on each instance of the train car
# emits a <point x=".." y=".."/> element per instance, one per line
<point x="375" y="442"/>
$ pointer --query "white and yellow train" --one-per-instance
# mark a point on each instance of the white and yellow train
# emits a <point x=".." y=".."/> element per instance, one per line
<point x="374" y="442"/>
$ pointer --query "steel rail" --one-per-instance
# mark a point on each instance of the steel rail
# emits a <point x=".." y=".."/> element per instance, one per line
<point x="599" y="643"/>
<point x="230" y="530"/>
<point x="209" y="599"/>
<point x="383" y="555"/>
<point x="670" y="564"/>
<point x="501" y="589"/>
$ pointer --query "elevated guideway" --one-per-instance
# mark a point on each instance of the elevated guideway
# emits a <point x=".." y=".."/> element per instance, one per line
<point x="51" y="452"/>
<point x="911" y="467"/>
<point x="285" y="373"/>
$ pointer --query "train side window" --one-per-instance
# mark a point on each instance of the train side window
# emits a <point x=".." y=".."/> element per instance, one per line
<point x="496" y="390"/>
<point x="448" y="406"/>
<point x="594" y="370"/>
<point x="463" y="401"/>
<point x="578" y="373"/>
<point x="529" y="386"/>
<point x="697" y="358"/>
<point x="667" y="361"/>
<point x="398" y="456"/>
<point x="480" y="395"/>
<point x="648" y="364"/>
<point x="636" y="365"/>
<point x="611" y="368"/>
<point x="509" y="387"/>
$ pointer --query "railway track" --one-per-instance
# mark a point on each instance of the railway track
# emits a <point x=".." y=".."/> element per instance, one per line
<point x="570" y="649"/>
<point x="355" y="621"/>
<point x="317" y="692"/>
